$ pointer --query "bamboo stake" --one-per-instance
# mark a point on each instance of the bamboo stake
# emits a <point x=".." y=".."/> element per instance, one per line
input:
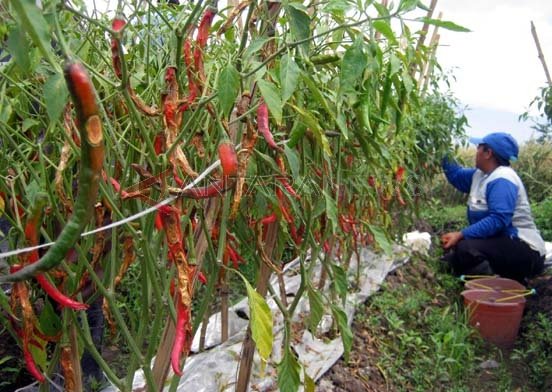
<point x="541" y="55"/>
<point x="430" y="63"/>
<point x="423" y="33"/>
<point x="425" y="27"/>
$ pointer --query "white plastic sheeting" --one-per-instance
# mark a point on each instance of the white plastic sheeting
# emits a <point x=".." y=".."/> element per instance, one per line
<point x="216" y="368"/>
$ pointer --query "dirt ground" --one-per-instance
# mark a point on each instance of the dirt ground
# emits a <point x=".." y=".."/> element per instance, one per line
<point x="362" y="373"/>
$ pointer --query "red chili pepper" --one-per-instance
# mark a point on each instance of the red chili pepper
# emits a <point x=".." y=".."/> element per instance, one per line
<point x="372" y="181"/>
<point x="399" y="174"/>
<point x="262" y="125"/>
<point x="58" y="296"/>
<point x="268" y="219"/>
<point x="228" y="158"/>
<point x="180" y="341"/>
<point x="31" y="365"/>
<point x="159" y="143"/>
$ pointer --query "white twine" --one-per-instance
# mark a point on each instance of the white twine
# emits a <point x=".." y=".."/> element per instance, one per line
<point x="131" y="218"/>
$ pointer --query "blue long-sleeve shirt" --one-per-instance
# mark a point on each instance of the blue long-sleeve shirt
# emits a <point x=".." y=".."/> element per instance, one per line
<point x="491" y="210"/>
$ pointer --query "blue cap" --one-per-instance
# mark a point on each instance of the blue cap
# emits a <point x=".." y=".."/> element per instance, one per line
<point x="502" y="144"/>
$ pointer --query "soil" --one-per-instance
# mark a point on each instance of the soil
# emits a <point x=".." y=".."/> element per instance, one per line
<point x="362" y="373"/>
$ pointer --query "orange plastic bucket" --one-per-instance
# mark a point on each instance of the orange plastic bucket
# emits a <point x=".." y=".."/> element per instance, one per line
<point x="495" y="314"/>
<point x="495" y="283"/>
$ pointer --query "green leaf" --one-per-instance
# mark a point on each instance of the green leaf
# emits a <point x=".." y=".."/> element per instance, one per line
<point x="353" y="64"/>
<point x="18" y="47"/>
<point x="260" y="321"/>
<point x="299" y="23"/>
<point x="408" y="5"/>
<point x="28" y="123"/>
<point x="271" y="95"/>
<point x="49" y="321"/>
<point x="310" y="385"/>
<point x="228" y="88"/>
<point x="385" y="29"/>
<point x="289" y="370"/>
<point x="30" y="18"/>
<point x="340" y="280"/>
<point x="297" y="132"/>
<point x="293" y="159"/>
<point x="312" y="123"/>
<point x="445" y="24"/>
<point x="346" y="334"/>
<point x="381" y="239"/>
<point x="289" y="76"/>
<point x="55" y="95"/>
<point x="254" y="46"/>
<point x="316" y="308"/>
<point x="331" y="211"/>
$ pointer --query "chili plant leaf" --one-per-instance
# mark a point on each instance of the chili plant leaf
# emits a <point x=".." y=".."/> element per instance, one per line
<point x="254" y="47"/>
<point x="331" y="211"/>
<point x="55" y="95"/>
<point x="312" y="123"/>
<point x="380" y="238"/>
<point x="316" y="308"/>
<point x="293" y="159"/>
<point x="339" y="280"/>
<point x="289" y="371"/>
<point x="228" y="88"/>
<point x="408" y="5"/>
<point x="18" y="47"/>
<point x="31" y="19"/>
<point x="385" y="29"/>
<point x="346" y="334"/>
<point x="445" y="24"/>
<point x="353" y="65"/>
<point x="271" y="95"/>
<point x="289" y="76"/>
<point x="309" y="384"/>
<point x="260" y="320"/>
<point x="299" y="23"/>
<point x="49" y="321"/>
<point x="297" y="132"/>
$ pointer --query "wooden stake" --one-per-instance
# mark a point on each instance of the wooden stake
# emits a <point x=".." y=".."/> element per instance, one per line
<point x="541" y="55"/>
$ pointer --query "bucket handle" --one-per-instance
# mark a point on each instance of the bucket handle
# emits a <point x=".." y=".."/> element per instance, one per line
<point x="524" y="294"/>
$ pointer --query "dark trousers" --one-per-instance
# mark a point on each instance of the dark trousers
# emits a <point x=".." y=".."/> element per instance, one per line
<point x="508" y="257"/>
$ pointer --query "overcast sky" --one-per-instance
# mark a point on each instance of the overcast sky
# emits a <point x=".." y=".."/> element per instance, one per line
<point x="496" y="65"/>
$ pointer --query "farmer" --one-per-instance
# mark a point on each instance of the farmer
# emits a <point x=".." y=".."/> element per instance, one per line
<point x="502" y="237"/>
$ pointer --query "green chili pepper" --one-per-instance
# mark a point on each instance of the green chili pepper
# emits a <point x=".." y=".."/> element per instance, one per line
<point x="92" y="155"/>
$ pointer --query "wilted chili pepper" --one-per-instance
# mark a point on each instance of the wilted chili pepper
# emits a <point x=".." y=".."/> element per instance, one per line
<point x="262" y="125"/>
<point x="116" y="25"/>
<point x="20" y="298"/>
<point x="170" y="218"/>
<point x="201" y="41"/>
<point x="283" y="180"/>
<point x="92" y="155"/>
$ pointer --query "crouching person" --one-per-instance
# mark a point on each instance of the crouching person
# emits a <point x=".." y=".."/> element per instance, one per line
<point x="502" y="237"/>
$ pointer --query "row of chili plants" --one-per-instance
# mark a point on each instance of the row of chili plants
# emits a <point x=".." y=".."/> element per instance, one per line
<point x="312" y="111"/>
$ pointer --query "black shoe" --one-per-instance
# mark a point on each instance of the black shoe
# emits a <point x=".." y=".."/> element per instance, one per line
<point x="483" y="268"/>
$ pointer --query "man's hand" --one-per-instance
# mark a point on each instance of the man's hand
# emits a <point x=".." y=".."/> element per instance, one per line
<point x="450" y="240"/>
